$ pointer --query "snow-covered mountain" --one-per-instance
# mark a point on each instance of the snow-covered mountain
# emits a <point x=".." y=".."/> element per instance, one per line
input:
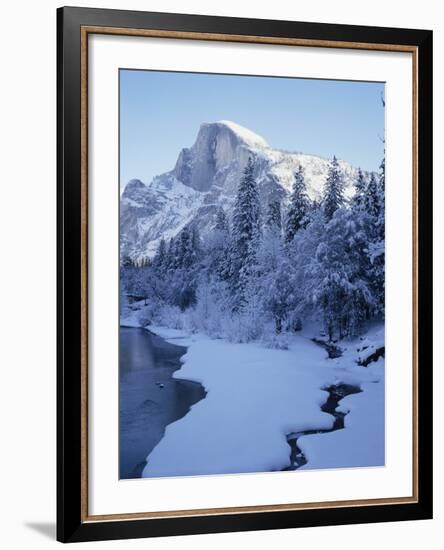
<point x="205" y="178"/>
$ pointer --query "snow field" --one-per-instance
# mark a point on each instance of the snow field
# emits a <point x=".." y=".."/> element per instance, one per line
<point x="256" y="396"/>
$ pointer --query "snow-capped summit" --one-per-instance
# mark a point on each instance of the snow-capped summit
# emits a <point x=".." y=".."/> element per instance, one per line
<point x="218" y="144"/>
<point x="247" y="136"/>
<point x="205" y="178"/>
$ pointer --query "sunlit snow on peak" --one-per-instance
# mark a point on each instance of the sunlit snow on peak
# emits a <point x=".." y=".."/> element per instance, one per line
<point x="246" y="135"/>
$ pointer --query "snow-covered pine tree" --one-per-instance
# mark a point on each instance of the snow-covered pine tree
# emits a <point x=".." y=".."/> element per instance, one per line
<point x="363" y="225"/>
<point x="377" y="241"/>
<point x="221" y="221"/>
<point x="136" y="283"/>
<point x="217" y="261"/>
<point x="338" y="285"/>
<point x="187" y="252"/>
<point x="279" y="297"/>
<point x="358" y="200"/>
<point x="196" y="244"/>
<point x="160" y="256"/>
<point x="246" y="209"/>
<point x="372" y="198"/>
<point x="174" y="254"/>
<point x="381" y="200"/>
<point x="169" y="254"/>
<point x="246" y="230"/>
<point x="183" y="266"/>
<point x="266" y="288"/>
<point x="297" y="211"/>
<point x="334" y="190"/>
<point x="127" y="261"/>
<point x="302" y="257"/>
<point x="274" y="217"/>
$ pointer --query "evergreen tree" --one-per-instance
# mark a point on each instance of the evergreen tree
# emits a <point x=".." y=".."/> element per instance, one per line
<point x="381" y="200"/>
<point x="136" y="283"/>
<point x="127" y="261"/>
<point x="176" y="257"/>
<point x="267" y="288"/>
<point x="376" y="245"/>
<point x="340" y="290"/>
<point x="314" y="210"/>
<point x="280" y="296"/>
<point x="169" y="255"/>
<point x="274" y="218"/>
<point x="187" y="252"/>
<point x="161" y="256"/>
<point x="195" y="245"/>
<point x="243" y="283"/>
<point x="217" y="262"/>
<point x="358" y="201"/>
<point x="298" y="208"/>
<point x="246" y="210"/>
<point x="372" y="198"/>
<point x="246" y="230"/>
<point x="183" y="267"/>
<point x="221" y="221"/>
<point x="334" y="190"/>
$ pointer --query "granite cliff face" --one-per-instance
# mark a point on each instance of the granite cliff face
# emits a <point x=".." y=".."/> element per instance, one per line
<point x="205" y="178"/>
<point x="217" y="145"/>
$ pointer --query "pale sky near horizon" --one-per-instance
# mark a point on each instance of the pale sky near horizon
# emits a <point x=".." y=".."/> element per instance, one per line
<point x="160" y="113"/>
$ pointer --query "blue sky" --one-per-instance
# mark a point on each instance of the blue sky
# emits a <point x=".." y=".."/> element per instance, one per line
<point x="160" y="113"/>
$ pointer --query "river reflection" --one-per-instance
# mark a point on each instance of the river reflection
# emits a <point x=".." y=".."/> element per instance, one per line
<point x="149" y="398"/>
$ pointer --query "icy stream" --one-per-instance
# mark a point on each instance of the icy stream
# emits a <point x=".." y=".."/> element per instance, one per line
<point x="336" y="393"/>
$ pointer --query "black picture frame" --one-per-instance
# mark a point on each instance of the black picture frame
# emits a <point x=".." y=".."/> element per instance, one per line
<point x="71" y="523"/>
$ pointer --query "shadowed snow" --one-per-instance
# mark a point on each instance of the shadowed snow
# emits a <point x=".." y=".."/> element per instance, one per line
<point x="256" y="396"/>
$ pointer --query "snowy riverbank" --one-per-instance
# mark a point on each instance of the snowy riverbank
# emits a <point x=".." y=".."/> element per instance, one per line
<point x="257" y="396"/>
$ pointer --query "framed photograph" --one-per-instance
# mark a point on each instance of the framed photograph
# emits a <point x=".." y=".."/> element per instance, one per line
<point x="244" y="274"/>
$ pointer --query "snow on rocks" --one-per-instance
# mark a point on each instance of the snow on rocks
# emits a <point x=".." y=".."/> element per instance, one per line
<point x="206" y="177"/>
<point x="250" y="138"/>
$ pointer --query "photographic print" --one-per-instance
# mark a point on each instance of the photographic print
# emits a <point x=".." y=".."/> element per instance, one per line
<point x="221" y="190"/>
<point x="251" y="274"/>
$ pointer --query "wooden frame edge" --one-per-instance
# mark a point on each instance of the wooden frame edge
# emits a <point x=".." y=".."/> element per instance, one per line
<point x="84" y="270"/>
<point x="226" y="511"/>
<point x="252" y="39"/>
<point x="415" y="279"/>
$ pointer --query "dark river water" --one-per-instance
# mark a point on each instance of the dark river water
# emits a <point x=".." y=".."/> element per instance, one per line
<point x="336" y="393"/>
<point x="149" y="398"/>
